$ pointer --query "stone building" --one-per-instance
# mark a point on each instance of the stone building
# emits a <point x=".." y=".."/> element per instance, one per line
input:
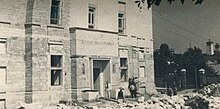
<point x="51" y="50"/>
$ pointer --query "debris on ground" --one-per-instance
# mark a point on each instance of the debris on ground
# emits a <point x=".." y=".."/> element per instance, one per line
<point x="156" y="101"/>
<point x="211" y="90"/>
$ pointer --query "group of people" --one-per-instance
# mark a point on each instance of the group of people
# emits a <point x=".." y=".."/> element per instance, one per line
<point x="108" y="88"/>
<point x="132" y="86"/>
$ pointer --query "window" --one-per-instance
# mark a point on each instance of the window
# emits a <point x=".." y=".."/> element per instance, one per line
<point x="56" y="70"/>
<point x="91" y="17"/>
<point x="2" y="76"/>
<point x="123" y="68"/>
<point x="121" y="23"/>
<point x="124" y="75"/>
<point x="55" y="12"/>
<point x="123" y="62"/>
<point x="142" y="71"/>
<point x="2" y="47"/>
<point x="141" y="54"/>
<point x="2" y="104"/>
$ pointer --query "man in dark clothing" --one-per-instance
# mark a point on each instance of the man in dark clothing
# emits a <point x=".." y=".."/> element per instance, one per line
<point x="171" y="84"/>
<point x="133" y="89"/>
<point x="121" y="94"/>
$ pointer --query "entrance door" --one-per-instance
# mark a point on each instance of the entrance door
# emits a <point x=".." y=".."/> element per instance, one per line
<point x="101" y="74"/>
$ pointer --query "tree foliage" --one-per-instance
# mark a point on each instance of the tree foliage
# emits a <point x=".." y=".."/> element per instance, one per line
<point x="164" y="61"/>
<point x="193" y="59"/>
<point x="157" y="2"/>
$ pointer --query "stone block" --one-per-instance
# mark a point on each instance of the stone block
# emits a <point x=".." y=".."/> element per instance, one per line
<point x="90" y="95"/>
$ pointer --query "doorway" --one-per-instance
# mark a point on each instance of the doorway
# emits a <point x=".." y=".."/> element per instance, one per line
<point x="101" y="74"/>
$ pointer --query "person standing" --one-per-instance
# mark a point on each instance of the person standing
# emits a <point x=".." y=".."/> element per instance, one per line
<point x="108" y="88"/>
<point x="133" y="89"/>
<point x="129" y="84"/>
<point x="171" y="85"/>
<point x="121" y="95"/>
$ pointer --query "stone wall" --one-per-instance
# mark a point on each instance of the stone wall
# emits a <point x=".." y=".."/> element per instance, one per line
<point x="30" y="40"/>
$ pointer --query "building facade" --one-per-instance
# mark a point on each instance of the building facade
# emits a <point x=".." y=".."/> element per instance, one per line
<point x="51" y="50"/>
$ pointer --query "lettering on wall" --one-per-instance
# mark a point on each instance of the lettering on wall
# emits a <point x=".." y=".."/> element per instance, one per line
<point x="95" y="42"/>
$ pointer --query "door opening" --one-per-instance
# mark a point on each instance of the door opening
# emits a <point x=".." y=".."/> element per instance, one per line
<point x="101" y="74"/>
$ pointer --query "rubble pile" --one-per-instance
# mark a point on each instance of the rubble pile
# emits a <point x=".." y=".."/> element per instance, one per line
<point x="214" y="102"/>
<point x="157" y="101"/>
<point x="211" y="90"/>
<point x="197" y="102"/>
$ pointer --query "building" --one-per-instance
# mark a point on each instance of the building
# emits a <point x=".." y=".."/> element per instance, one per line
<point x="51" y="50"/>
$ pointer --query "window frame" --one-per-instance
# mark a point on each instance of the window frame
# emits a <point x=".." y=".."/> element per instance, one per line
<point x="141" y="67"/>
<point x="121" y="30"/>
<point x="3" y="42"/>
<point x="56" y="68"/>
<point x="5" y="79"/>
<point x="124" y="69"/>
<point x="91" y="17"/>
<point x="55" y="20"/>
<point x="124" y="75"/>
<point x="123" y="62"/>
<point x="141" y="53"/>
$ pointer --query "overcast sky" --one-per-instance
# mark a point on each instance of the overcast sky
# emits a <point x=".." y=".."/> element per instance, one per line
<point x="183" y="25"/>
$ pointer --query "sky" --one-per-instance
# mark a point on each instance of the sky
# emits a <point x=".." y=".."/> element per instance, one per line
<point x="182" y="26"/>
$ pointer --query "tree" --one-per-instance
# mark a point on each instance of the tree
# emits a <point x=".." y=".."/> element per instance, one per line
<point x="193" y="60"/>
<point x="166" y="61"/>
<point x="157" y="2"/>
<point x="162" y="60"/>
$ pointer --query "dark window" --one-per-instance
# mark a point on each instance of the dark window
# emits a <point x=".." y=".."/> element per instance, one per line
<point x="55" y="12"/>
<point x="123" y="68"/>
<point x="56" y="70"/>
<point x="124" y="75"/>
<point x="56" y="61"/>
<point x="91" y="17"/>
<point x="56" y="77"/>
<point x="123" y="62"/>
